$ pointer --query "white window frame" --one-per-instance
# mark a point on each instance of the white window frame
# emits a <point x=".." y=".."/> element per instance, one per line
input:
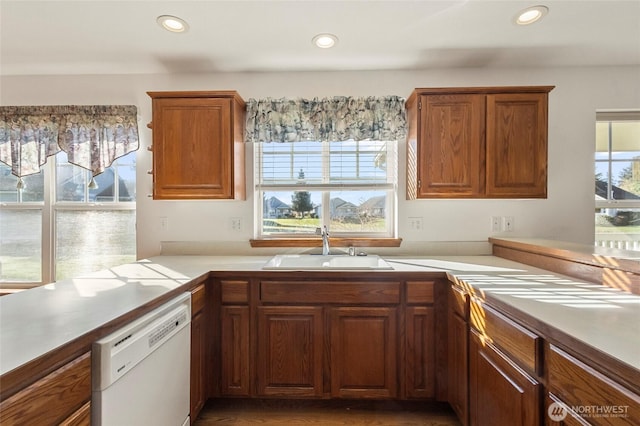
<point x="630" y="115"/>
<point x="613" y="240"/>
<point x="49" y="208"/>
<point x="326" y="188"/>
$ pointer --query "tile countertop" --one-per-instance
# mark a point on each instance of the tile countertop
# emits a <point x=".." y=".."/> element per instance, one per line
<point x="39" y="320"/>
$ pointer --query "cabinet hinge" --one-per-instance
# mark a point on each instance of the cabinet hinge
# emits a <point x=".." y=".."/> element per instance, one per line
<point x="419" y="105"/>
<point x="419" y="183"/>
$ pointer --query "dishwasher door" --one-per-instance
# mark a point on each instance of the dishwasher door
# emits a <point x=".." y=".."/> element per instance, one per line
<point x="141" y="373"/>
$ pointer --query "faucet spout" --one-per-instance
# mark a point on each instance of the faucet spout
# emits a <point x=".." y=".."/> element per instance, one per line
<point x="325" y="241"/>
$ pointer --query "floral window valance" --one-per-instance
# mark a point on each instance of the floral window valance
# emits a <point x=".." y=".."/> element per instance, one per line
<point x="93" y="136"/>
<point x="339" y="118"/>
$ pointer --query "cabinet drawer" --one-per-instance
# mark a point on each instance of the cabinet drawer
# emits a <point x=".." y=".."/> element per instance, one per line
<point x="82" y="417"/>
<point x="512" y="338"/>
<point x="579" y="385"/>
<point x="330" y="292"/>
<point x="197" y="299"/>
<point x="562" y="410"/>
<point x="235" y="292"/>
<point x="52" y="399"/>
<point x="459" y="302"/>
<point x="420" y="291"/>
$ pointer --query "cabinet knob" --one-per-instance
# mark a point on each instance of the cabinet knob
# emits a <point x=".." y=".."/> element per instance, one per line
<point x="150" y="148"/>
<point x="150" y="124"/>
<point x="150" y="172"/>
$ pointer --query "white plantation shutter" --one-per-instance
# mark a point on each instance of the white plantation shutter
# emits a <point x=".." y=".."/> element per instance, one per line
<point x="326" y="166"/>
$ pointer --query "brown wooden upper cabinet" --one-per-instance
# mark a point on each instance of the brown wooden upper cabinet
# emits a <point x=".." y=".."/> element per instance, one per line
<point x="198" y="150"/>
<point x="480" y="142"/>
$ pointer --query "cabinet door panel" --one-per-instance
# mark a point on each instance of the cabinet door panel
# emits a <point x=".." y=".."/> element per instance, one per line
<point x="363" y="352"/>
<point x="451" y="148"/>
<point x="458" y="366"/>
<point x="198" y="369"/>
<point x="517" y="145"/>
<point x="420" y="352"/>
<point x="500" y="392"/>
<point x="198" y="147"/>
<point x="290" y="348"/>
<point x="192" y="147"/>
<point x="235" y="351"/>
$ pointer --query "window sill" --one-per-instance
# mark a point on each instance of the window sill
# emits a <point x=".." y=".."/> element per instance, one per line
<point x="335" y="242"/>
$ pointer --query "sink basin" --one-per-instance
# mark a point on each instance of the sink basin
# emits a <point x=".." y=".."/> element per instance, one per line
<point x="321" y="262"/>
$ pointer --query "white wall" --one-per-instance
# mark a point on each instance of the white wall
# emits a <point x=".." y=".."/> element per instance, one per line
<point x="567" y="214"/>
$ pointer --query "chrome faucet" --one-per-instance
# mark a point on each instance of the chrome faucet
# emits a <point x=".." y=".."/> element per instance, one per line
<point x="325" y="241"/>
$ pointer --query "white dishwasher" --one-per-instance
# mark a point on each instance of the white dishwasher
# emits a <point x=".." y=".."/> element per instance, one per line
<point x="140" y="373"/>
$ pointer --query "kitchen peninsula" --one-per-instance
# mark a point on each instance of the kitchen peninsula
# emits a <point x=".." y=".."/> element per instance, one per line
<point x="550" y="334"/>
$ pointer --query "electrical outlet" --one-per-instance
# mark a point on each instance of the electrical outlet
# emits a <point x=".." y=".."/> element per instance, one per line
<point x="509" y="223"/>
<point x="235" y="224"/>
<point x="163" y="224"/>
<point x="496" y="224"/>
<point x="415" y="223"/>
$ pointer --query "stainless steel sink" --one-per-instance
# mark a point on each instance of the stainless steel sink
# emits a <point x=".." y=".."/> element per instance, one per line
<point x="329" y="262"/>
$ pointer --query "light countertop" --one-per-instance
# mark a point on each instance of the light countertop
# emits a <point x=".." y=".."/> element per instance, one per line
<point x="39" y="320"/>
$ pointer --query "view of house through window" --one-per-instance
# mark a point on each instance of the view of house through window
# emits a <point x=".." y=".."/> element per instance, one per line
<point x="617" y="180"/>
<point x="58" y="226"/>
<point x="349" y="187"/>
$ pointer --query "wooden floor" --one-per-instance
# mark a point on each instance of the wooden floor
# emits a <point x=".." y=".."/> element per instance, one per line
<point x="325" y="413"/>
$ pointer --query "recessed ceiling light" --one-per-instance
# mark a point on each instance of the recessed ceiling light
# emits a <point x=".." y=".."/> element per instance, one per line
<point x="325" y="41"/>
<point x="172" y="23"/>
<point x="531" y="15"/>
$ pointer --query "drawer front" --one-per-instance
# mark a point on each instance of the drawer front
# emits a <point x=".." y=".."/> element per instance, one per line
<point x="559" y="414"/>
<point x="343" y="292"/>
<point x="512" y="338"/>
<point x="52" y="399"/>
<point x="420" y="291"/>
<point x="235" y="292"/>
<point x="197" y="299"/>
<point x="579" y="385"/>
<point x="82" y="417"/>
<point x="459" y="302"/>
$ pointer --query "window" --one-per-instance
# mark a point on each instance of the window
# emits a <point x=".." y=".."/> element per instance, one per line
<point x="617" y="179"/>
<point x="349" y="187"/>
<point x="58" y="226"/>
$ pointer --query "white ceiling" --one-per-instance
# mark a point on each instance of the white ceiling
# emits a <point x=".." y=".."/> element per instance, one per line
<point x="122" y="37"/>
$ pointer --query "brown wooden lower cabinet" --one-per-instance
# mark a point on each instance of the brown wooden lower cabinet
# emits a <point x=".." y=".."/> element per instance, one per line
<point x="364" y="346"/>
<point x="313" y="339"/>
<point x="500" y="392"/>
